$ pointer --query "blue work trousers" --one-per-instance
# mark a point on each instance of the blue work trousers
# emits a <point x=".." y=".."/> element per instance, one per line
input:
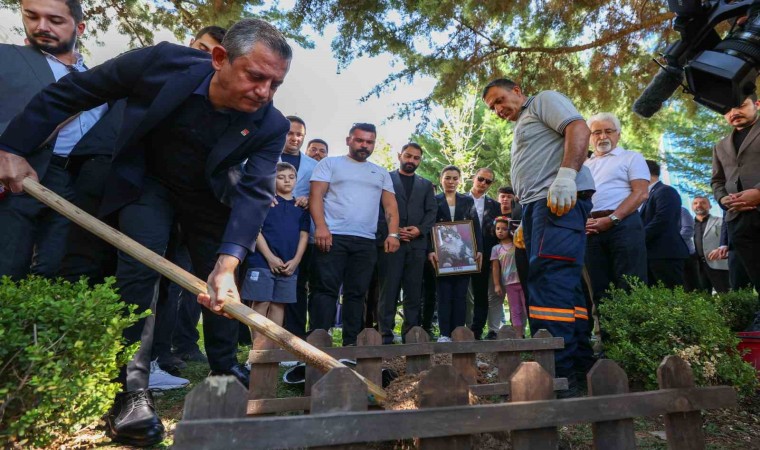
<point x="556" y="248"/>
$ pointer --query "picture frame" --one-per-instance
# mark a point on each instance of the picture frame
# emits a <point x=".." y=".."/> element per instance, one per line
<point x="455" y="247"/>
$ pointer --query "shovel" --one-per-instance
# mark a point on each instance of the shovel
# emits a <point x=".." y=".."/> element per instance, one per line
<point x="288" y="341"/>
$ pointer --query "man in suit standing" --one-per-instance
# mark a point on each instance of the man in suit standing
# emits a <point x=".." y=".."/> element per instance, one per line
<point x="711" y="273"/>
<point x="404" y="268"/>
<point x="487" y="305"/>
<point x="661" y="214"/>
<point x="295" y="313"/>
<point x="198" y="145"/>
<point x="30" y="231"/>
<point x="736" y="184"/>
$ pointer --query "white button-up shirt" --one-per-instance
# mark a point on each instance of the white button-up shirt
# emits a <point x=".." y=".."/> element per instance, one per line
<point x="613" y="173"/>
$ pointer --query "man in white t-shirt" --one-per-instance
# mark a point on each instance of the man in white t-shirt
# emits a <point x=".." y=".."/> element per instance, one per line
<point x="346" y="193"/>
<point x="616" y="245"/>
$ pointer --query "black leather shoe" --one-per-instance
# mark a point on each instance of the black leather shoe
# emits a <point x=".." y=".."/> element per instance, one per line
<point x="194" y="355"/>
<point x="133" y="420"/>
<point x="238" y="371"/>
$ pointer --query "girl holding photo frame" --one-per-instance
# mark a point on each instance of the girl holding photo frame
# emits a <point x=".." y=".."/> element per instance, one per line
<point x="452" y="289"/>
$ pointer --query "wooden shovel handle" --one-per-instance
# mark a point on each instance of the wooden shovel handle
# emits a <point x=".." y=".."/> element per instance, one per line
<point x="288" y="341"/>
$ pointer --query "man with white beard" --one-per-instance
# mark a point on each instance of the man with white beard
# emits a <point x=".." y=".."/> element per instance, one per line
<point x="615" y="246"/>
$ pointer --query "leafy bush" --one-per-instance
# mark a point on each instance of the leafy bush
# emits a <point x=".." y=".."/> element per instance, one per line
<point x="738" y="308"/>
<point x="647" y="324"/>
<point x="61" y="347"/>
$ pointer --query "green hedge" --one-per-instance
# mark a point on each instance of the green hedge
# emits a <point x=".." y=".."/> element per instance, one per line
<point x="738" y="308"/>
<point x="60" y="349"/>
<point x="647" y="324"/>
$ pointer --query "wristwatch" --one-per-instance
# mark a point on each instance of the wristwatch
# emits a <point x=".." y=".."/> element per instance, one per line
<point x="615" y="220"/>
<point x="394" y="235"/>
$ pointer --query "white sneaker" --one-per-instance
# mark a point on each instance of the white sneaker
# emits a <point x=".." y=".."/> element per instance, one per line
<point x="161" y="380"/>
<point x="288" y="363"/>
<point x="444" y="339"/>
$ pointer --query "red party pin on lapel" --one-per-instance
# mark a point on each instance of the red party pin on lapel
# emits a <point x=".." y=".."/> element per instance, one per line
<point x="244" y="132"/>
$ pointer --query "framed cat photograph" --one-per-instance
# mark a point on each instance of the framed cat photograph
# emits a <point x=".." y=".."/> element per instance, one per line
<point x="455" y="247"/>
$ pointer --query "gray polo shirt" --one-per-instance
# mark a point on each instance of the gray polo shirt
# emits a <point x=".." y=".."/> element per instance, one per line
<point x="538" y="146"/>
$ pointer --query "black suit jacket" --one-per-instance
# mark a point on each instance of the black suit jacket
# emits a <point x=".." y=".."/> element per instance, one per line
<point x="24" y="72"/>
<point x="418" y="210"/>
<point x="491" y="210"/>
<point x="661" y="216"/>
<point x="156" y="80"/>
<point x="464" y="209"/>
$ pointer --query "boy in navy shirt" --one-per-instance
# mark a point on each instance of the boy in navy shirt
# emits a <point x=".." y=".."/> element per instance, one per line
<point x="272" y="270"/>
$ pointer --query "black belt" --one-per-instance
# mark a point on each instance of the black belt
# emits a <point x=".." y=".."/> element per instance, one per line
<point x="60" y="161"/>
<point x="586" y="195"/>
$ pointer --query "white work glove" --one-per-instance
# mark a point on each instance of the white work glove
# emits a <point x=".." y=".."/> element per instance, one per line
<point x="562" y="193"/>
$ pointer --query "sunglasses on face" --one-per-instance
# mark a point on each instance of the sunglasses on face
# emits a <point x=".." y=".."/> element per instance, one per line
<point x="485" y="180"/>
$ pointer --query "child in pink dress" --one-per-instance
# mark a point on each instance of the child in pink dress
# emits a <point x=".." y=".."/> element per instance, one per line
<point x="504" y="272"/>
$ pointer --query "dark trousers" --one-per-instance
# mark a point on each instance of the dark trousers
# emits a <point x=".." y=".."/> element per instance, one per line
<point x="33" y="236"/>
<point x="452" y="302"/>
<point x="149" y="221"/>
<point x="372" y="300"/>
<point x="618" y="252"/>
<point x="177" y="311"/>
<point x="295" y="313"/>
<point x="710" y="278"/>
<point x="691" y="281"/>
<point x="744" y="234"/>
<point x="737" y="275"/>
<point x="556" y="247"/>
<point x="350" y="262"/>
<point x="669" y="271"/>
<point x="403" y="269"/>
<point x="87" y="255"/>
<point x="480" y="295"/>
<point x="429" y="283"/>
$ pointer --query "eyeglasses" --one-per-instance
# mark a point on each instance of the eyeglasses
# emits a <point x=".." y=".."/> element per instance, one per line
<point x="485" y="180"/>
<point x="608" y="132"/>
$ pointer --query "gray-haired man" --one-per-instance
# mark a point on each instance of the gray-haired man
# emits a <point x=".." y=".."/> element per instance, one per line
<point x="198" y="145"/>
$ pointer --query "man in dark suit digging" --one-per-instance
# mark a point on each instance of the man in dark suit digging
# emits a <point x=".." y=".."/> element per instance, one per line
<point x="198" y="145"/>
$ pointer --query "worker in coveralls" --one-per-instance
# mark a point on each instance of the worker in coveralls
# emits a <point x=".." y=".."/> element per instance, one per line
<point x="554" y="188"/>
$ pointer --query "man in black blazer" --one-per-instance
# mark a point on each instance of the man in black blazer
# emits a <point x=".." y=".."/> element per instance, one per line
<point x="30" y="231"/>
<point x="404" y="268"/>
<point x="487" y="305"/>
<point x="661" y="215"/>
<point x="199" y="143"/>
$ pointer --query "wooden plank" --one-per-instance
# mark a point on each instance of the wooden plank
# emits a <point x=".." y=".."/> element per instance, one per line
<point x="216" y="398"/>
<point x="531" y="382"/>
<point x="278" y="405"/>
<point x="683" y="429"/>
<point x="507" y="361"/>
<point x="267" y="432"/>
<point x="546" y="357"/>
<point x="464" y="363"/>
<point x="339" y="391"/>
<point x="444" y="386"/>
<point x="370" y="368"/>
<point x="317" y="338"/>
<point x="560" y="384"/>
<point x="421" y="362"/>
<point x="264" y="376"/>
<point x="426" y="348"/>
<point x="607" y="378"/>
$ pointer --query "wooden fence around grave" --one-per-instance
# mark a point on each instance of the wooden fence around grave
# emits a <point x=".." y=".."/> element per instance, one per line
<point x="214" y="416"/>
<point x="369" y="354"/>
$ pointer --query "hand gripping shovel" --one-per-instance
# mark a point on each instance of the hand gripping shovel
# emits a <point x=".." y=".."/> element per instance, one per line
<point x="303" y="350"/>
